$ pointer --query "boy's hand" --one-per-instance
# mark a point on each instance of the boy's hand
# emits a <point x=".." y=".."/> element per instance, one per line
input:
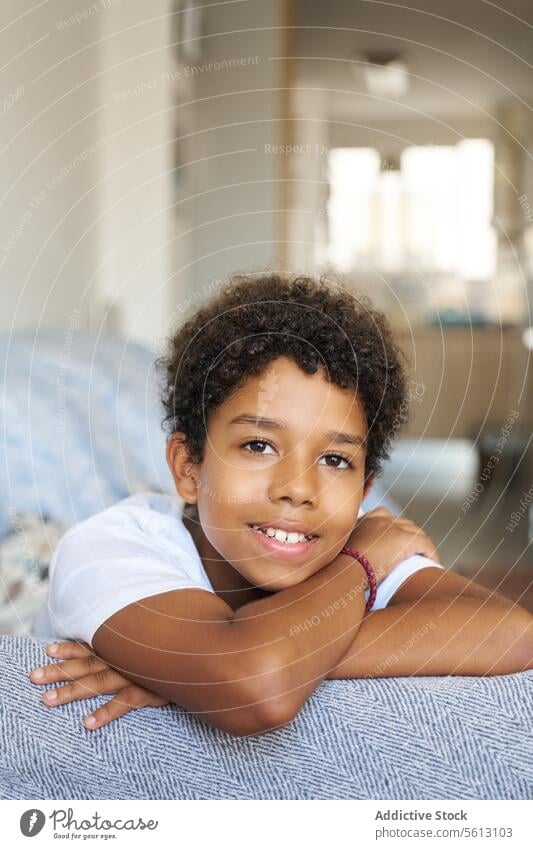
<point x="91" y="676"/>
<point x="386" y="540"/>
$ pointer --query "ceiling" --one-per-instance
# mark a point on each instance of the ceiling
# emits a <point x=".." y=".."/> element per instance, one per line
<point x="464" y="56"/>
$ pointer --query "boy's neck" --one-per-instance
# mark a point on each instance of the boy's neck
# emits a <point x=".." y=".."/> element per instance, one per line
<point x="229" y="585"/>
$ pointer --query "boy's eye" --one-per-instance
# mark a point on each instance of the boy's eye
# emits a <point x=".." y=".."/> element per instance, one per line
<point x="256" y="442"/>
<point x="338" y="457"/>
<point x="342" y="460"/>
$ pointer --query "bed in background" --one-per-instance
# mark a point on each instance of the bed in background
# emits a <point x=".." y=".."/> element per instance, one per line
<point x="80" y="423"/>
<point x="80" y="426"/>
<point x="81" y="430"/>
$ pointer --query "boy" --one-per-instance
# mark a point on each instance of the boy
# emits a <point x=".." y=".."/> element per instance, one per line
<point x="281" y="399"/>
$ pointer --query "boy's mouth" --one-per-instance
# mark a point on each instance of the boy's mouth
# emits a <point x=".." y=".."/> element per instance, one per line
<point x="282" y="543"/>
<point x="287" y="535"/>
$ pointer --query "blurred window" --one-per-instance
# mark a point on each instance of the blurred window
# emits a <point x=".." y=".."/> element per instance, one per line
<point x="433" y="209"/>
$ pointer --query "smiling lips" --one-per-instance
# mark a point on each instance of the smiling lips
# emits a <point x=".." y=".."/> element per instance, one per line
<point x="285" y="534"/>
<point x="275" y="544"/>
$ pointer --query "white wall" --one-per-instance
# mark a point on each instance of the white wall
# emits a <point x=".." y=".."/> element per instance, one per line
<point x="234" y="216"/>
<point x="137" y="214"/>
<point x="48" y="123"/>
<point x="99" y="80"/>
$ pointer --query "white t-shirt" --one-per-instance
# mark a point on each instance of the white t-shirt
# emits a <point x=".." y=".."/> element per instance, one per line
<point x="137" y="548"/>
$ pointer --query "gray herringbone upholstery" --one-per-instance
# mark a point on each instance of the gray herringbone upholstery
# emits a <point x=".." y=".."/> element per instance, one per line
<point x="388" y="738"/>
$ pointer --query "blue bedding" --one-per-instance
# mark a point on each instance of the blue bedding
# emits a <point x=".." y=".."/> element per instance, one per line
<point x="80" y="424"/>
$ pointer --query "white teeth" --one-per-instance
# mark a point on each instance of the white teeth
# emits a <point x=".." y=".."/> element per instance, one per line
<point x="289" y="538"/>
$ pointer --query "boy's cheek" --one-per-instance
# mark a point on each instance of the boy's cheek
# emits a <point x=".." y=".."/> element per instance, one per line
<point x="230" y="489"/>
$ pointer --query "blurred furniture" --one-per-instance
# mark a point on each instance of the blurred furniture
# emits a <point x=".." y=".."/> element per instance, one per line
<point x="467" y="379"/>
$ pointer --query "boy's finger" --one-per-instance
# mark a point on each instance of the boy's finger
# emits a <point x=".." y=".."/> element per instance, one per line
<point x="67" y="650"/>
<point x="100" y="684"/>
<point x="66" y="671"/>
<point x="129" y="699"/>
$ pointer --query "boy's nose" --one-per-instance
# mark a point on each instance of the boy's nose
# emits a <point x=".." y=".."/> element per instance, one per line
<point x="294" y="482"/>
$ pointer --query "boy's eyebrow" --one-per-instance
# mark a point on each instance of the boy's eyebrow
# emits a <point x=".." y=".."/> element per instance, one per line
<point x="274" y="424"/>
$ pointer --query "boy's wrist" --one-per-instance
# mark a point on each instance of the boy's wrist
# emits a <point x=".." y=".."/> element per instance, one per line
<point x="346" y="560"/>
<point x="372" y="555"/>
<point x="369" y="571"/>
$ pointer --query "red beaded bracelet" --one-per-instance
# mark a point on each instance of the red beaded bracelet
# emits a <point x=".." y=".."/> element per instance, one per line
<point x="369" y="571"/>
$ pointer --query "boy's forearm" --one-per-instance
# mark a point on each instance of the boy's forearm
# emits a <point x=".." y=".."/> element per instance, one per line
<point x="311" y="624"/>
<point x="440" y="636"/>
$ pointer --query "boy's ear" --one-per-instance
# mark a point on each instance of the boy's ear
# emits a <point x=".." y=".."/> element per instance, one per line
<point x="181" y="467"/>
<point x="368" y="485"/>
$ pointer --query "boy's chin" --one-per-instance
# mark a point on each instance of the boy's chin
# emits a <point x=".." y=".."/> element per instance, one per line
<point x="280" y="582"/>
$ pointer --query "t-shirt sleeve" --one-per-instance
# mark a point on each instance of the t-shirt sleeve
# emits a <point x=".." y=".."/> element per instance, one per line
<point x="396" y="578"/>
<point x="98" y="569"/>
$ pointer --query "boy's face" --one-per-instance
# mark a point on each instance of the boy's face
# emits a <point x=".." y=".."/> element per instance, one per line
<point x="296" y="472"/>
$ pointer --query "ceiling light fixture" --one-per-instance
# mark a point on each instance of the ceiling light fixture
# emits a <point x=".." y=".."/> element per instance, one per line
<point x="385" y="74"/>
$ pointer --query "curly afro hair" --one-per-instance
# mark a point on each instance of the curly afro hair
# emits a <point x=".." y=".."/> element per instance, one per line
<point x="253" y="320"/>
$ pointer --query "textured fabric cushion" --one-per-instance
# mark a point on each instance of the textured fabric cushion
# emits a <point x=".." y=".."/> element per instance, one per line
<point x="386" y="738"/>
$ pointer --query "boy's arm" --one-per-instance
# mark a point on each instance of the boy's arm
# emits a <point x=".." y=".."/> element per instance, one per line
<point x="310" y="634"/>
<point x="249" y="670"/>
<point x="235" y="669"/>
<point x="464" y="635"/>
<point x="252" y="669"/>
<point x="432" y="583"/>
<point x="243" y="671"/>
<point x="317" y="617"/>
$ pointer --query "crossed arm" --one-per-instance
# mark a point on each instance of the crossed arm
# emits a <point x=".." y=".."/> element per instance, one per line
<point x="253" y="668"/>
<point x="437" y="623"/>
